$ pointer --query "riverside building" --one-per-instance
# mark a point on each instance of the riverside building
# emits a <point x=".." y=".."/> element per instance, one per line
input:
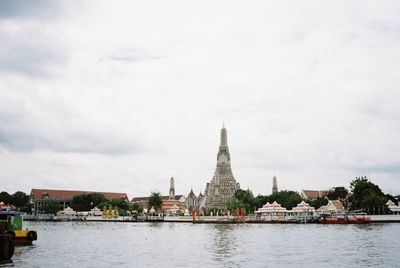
<point x="39" y="198"/>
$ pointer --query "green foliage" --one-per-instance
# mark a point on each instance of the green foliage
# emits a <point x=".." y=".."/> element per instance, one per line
<point x="391" y="197"/>
<point x="338" y="193"/>
<point x="135" y="207"/>
<point x="5" y="198"/>
<point x="242" y="199"/>
<point x="86" y="202"/>
<point x="51" y="207"/>
<point x="20" y="199"/>
<point x="287" y="199"/>
<point x="317" y="203"/>
<point x="155" y="200"/>
<point x="366" y="195"/>
<point x="246" y="199"/>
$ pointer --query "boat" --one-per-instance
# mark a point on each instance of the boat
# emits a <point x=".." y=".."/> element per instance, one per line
<point x="344" y="218"/>
<point x="11" y="223"/>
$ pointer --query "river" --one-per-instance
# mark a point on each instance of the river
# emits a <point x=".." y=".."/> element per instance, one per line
<point x="96" y="244"/>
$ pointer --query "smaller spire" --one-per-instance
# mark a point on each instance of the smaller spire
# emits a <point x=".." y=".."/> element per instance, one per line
<point x="172" y="188"/>
<point x="274" y="185"/>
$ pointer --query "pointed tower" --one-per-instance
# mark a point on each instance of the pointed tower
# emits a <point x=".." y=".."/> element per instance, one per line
<point x="274" y="185"/>
<point x="223" y="184"/>
<point x="172" y="189"/>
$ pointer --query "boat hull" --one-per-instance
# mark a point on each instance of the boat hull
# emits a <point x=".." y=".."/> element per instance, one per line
<point x="345" y="220"/>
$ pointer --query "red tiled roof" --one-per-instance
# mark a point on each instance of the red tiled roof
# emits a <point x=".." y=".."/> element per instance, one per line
<point x="312" y="194"/>
<point x="38" y="194"/>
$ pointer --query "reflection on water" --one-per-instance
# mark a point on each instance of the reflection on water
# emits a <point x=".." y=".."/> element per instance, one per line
<point x="85" y="244"/>
<point x="224" y="242"/>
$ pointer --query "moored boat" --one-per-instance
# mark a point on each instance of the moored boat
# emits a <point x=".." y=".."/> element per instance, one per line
<point x="11" y="223"/>
<point x="344" y="218"/>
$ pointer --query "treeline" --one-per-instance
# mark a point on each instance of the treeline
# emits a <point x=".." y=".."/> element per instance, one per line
<point x="19" y="200"/>
<point x="86" y="202"/>
<point x="363" y="195"/>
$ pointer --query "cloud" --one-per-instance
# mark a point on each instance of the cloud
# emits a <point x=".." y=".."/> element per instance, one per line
<point x="41" y="9"/>
<point x="135" y="94"/>
<point x="28" y="50"/>
<point x="133" y="55"/>
<point x="41" y="125"/>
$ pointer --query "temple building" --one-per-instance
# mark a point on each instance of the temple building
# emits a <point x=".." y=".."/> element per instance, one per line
<point x="193" y="201"/>
<point x="171" y="202"/>
<point x="223" y="185"/>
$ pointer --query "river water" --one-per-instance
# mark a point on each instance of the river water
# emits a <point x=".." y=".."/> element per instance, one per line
<point x="96" y="244"/>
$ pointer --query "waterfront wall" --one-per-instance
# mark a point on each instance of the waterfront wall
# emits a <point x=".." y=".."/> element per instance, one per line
<point x="385" y="218"/>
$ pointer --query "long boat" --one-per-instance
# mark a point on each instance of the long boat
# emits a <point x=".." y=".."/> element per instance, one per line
<point x="344" y="218"/>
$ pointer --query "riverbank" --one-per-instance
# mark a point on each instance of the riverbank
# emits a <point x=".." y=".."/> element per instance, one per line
<point x="205" y="219"/>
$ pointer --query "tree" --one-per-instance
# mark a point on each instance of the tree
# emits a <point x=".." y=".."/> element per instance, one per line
<point x="391" y="197"/>
<point x="5" y="198"/>
<point x="135" y="207"/>
<point x="367" y="196"/>
<point x="21" y="201"/>
<point x="319" y="202"/>
<point x="287" y="199"/>
<point x="155" y="200"/>
<point x="86" y="202"/>
<point x="122" y="204"/>
<point x="242" y="199"/>
<point x="51" y="207"/>
<point x="338" y="193"/>
<point x="260" y="201"/>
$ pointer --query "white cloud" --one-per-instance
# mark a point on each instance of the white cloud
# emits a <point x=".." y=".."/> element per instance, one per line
<point x="121" y="96"/>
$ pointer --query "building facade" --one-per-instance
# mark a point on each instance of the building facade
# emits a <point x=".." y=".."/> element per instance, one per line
<point x="170" y="202"/>
<point x="223" y="185"/>
<point x="41" y="197"/>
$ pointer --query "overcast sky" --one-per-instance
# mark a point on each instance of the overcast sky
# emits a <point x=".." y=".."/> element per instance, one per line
<point x="122" y="95"/>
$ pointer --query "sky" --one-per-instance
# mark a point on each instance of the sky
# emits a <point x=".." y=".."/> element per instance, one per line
<point x="121" y="95"/>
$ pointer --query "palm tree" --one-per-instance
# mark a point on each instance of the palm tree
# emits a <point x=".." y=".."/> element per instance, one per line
<point x="155" y="200"/>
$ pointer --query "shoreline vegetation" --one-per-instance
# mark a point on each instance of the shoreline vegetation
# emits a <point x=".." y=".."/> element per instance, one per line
<point x="362" y="195"/>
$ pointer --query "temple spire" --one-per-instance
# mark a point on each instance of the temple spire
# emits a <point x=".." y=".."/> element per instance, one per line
<point x="223" y="184"/>
<point x="172" y="189"/>
<point x="223" y="146"/>
<point x="224" y="136"/>
<point x="274" y="185"/>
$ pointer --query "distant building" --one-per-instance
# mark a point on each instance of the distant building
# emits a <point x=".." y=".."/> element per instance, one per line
<point x="192" y="201"/>
<point x="170" y="202"/>
<point x="313" y="194"/>
<point x="274" y="185"/>
<point x="223" y="185"/>
<point x="40" y="197"/>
